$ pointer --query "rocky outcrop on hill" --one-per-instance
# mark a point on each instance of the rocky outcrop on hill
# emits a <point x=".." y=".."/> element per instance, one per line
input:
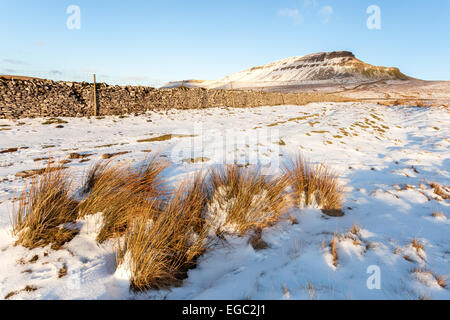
<point x="318" y="68"/>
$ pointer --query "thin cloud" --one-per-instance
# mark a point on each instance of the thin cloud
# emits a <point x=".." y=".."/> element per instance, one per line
<point x="310" y="3"/>
<point x="292" y="14"/>
<point x="12" y="61"/>
<point x="326" y="13"/>
<point x="134" y="79"/>
<point x="40" y="44"/>
<point x="56" y="72"/>
<point x="87" y="70"/>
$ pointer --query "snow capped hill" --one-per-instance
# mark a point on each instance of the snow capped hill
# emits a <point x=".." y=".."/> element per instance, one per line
<point x="316" y="68"/>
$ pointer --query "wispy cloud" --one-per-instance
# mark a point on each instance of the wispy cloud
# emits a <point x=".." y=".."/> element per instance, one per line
<point x="326" y="13"/>
<point x="10" y="71"/>
<point x="40" y="44"/>
<point x="12" y="61"/>
<point x="88" y="70"/>
<point x="292" y="14"/>
<point x="56" y="72"/>
<point x="310" y="3"/>
<point x="134" y="79"/>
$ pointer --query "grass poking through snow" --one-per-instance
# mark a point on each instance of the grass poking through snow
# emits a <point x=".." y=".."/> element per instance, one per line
<point x="119" y="192"/>
<point x="243" y="199"/>
<point x="315" y="185"/>
<point x="161" y="233"/>
<point x="44" y="209"/>
<point x="163" y="243"/>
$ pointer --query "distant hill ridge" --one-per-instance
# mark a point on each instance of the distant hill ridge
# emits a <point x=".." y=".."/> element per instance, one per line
<point x="332" y="67"/>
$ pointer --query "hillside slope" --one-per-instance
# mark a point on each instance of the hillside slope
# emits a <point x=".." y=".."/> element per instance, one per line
<point x="317" y="68"/>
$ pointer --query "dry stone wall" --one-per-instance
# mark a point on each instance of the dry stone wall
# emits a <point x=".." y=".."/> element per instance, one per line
<point x="46" y="98"/>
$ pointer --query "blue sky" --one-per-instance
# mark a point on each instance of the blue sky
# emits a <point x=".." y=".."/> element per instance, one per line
<point x="150" y="42"/>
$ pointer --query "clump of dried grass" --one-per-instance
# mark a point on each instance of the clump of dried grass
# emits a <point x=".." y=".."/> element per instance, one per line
<point x="441" y="281"/>
<point x="257" y="242"/>
<point x="119" y="192"/>
<point x="97" y="170"/>
<point x="416" y="244"/>
<point x="163" y="243"/>
<point x="44" y="208"/>
<point x="438" y="214"/>
<point x="315" y="185"/>
<point x="441" y="190"/>
<point x="243" y="199"/>
<point x="333" y="249"/>
<point x="355" y="229"/>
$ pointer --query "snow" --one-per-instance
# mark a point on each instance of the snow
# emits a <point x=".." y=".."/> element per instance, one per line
<point x="385" y="157"/>
<point x="299" y="70"/>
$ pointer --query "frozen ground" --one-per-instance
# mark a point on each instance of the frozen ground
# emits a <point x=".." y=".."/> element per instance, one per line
<point x="386" y="158"/>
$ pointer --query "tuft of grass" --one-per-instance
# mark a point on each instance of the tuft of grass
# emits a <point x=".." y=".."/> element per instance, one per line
<point x="439" y="190"/>
<point x="163" y="243"/>
<point x="355" y="229"/>
<point x="54" y="121"/>
<point x="119" y="191"/>
<point x="315" y="185"/>
<point x="243" y="199"/>
<point x="196" y="160"/>
<point x="43" y="211"/>
<point x="28" y="288"/>
<point x="34" y="172"/>
<point x="417" y="245"/>
<point x="62" y="272"/>
<point x="438" y="214"/>
<point x="166" y="137"/>
<point x="333" y="249"/>
<point x="96" y="171"/>
<point x="257" y="241"/>
<point x="112" y="155"/>
<point x="9" y="150"/>
<point x="293" y="220"/>
<point x="441" y="281"/>
<point x="76" y="155"/>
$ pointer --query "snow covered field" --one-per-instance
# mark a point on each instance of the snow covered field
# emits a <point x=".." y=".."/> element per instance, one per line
<point x="386" y="158"/>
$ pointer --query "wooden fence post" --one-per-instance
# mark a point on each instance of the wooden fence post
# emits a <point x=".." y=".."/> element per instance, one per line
<point x="94" y="97"/>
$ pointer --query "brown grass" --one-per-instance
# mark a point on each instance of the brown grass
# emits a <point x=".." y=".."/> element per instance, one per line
<point x="163" y="243"/>
<point x="112" y="155"/>
<point x="63" y="271"/>
<point x="315" y="184"/>
<point x="119" y="191"/>
<point x="43" y="209"/>
<point x="439" y="190"/>
<point x="166" y="137"/>
<point x="28" y="288"/>
<point x="441" y="281"/>
<point x="248" y="199"/>
<point x="96" y="171"/>
<point x="163" y="236"/>
<point x="36" y="172"/>
<point x="438" y="214"/>
<point x="355" y="229"/>
<point x="257" y="241"/>
<point x="10" y="150"/>
<point x="333" y="249"/>
<point x="417" y="245"/>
